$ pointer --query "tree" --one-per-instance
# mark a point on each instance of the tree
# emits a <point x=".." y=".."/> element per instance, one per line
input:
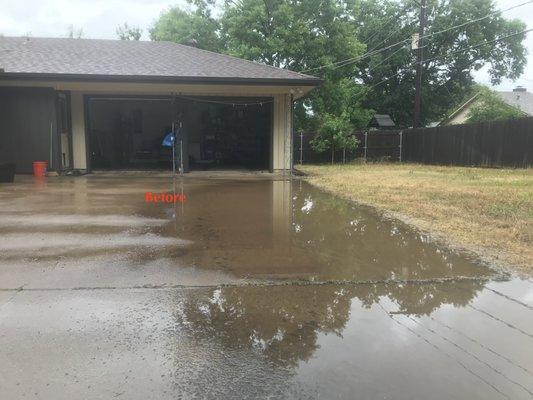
<point x="126" y="32"/>
<point x="491" y="107"/>
<point x="187" y="27"/>
<point x="452" y="55"/>
<point x="338" y="115"/>
<point x="334" y="133"/>
<point x="303" y="36"/>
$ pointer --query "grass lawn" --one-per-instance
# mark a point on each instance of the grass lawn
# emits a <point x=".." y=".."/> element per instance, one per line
<point x="488" y="211"/>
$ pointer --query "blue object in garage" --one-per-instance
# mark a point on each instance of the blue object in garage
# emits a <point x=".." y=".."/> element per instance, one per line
<point x="168" y="141"/>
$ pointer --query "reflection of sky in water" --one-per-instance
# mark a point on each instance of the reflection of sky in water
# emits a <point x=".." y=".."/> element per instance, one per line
<point x="319" y="335"/>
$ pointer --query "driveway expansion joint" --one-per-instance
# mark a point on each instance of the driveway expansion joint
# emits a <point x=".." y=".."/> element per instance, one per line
<point x="430" y="281"/>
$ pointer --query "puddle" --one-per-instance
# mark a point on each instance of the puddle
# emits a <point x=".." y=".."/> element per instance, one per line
<point x="249" y="229"/>
<point x="291" y="230"/>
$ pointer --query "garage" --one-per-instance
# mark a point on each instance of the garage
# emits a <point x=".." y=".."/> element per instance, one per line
<point x="83" y="105"/>
<point x="214" y="133"/>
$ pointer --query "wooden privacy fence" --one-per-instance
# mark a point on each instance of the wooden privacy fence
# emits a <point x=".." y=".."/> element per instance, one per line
<point x="506" y="143"/>
<point x="492" y="144"/>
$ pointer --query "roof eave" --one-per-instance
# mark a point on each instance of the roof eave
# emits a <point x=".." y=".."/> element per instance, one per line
<point x="164" y="79"/>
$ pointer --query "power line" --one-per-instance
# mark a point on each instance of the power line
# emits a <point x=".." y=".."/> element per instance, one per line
<point x="384" y="25"/>
<point x="484" y="43"/>
<point x="370" y="52"/>
<point x="373" y="52"/>
<point x="355" y="59"/>
<point x="408" y="67"/>
<point x="477" y="20"/>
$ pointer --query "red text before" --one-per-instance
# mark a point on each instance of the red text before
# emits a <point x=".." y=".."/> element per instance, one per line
<point x="150" y="197"/>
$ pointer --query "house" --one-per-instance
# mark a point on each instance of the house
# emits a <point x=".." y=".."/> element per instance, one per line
<point x="519" y="98"/>
<point x="107" y="104"/>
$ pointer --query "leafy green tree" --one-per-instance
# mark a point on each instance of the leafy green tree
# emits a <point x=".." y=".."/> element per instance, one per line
<point x="338" y="114"/>
<point x="126" y="32"/>
<point x="452" y="55"/>
<point x="304" y="36"/>
<point x="189" y="26"/>
<point x="334" y="133"/>
<point x="491" y="107"/>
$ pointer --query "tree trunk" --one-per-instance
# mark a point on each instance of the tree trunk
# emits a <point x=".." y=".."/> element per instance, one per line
<point x="332" y="154"/>
<point x="344" y="155"/>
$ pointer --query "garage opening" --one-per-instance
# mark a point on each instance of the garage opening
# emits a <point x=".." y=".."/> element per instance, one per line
<point x="216" y="133"/>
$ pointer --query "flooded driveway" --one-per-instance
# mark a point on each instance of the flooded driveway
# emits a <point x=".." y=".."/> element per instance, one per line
<point x="252" y="288"/>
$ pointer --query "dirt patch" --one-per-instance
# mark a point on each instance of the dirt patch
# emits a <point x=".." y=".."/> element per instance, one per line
<point x="486" y="211"/>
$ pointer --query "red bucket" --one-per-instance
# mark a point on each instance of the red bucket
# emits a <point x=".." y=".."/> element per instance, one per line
<point x="39" y="168"/>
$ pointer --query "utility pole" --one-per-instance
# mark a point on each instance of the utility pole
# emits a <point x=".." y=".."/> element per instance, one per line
<point x="419" y="64"/>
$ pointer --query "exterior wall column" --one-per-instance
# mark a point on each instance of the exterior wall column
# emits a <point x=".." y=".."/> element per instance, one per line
<point x="282" y="133"/>
<point x="78" y="130"/>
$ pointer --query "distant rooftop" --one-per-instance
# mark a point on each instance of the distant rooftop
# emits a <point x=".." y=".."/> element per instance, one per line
<point x="381" y="121"/>
<point x="23" y="57"/>
<point x="519" y="98"/>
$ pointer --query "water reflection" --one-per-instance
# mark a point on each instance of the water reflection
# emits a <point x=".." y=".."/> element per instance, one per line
<point x="291" y="230"/>
<point x="284" y="323"/>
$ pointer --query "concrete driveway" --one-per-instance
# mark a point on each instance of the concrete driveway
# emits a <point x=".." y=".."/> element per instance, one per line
<point x="250" y="288"/>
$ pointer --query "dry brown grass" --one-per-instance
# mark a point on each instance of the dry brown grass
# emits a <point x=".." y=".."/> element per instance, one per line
<point x="488" y="211"/>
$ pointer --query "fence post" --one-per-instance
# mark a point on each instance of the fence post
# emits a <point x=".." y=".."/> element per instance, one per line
<point x="301" y="147"/>
<point x="401" y="141"/>
<point x="366" y="143"/>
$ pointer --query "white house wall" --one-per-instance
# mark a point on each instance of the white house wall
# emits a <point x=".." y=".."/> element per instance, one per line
<point x="282" y="137"/>
<point x="78" y="130"/>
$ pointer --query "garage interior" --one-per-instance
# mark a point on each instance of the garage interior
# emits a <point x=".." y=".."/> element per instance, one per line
<point x="217" y="133"/>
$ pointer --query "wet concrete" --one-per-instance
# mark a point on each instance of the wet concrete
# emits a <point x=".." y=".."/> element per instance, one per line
<point x="328" y="341"/>
<point x="230" y="296"/>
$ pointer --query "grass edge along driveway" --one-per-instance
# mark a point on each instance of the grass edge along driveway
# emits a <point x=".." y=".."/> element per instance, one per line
<point x="486" y="211"/>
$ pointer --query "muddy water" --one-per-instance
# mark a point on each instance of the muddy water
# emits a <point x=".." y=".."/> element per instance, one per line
<point x="245" y="229"/>
<point x="290" y="230"/>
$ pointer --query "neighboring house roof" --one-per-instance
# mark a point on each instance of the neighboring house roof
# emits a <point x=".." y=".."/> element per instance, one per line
<point x="65" y="58"/>
<point x="459" y="110"/>
<point x="518" y="98"/>
<point x="382" y="121"/>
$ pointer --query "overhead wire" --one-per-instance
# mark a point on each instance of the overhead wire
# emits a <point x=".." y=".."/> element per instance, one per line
<point x="447" y="54"/>
<point x="373" y="52"/>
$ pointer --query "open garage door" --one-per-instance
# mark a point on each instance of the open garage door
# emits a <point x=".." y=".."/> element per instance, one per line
<point x="217" y="133"/>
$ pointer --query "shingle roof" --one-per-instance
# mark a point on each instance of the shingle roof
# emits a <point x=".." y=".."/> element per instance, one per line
<point x="139" y="60"/>
<point x="520" y="99"/>
<point x="383" y="120"/>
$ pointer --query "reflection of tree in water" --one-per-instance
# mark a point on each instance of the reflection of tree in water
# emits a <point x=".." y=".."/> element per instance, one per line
<point x="420" y="298"/>
<point x="280" y="322"/>
<point x="283" y="322"/>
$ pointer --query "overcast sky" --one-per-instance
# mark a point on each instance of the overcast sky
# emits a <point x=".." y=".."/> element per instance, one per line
<point x="100" y="18"/>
